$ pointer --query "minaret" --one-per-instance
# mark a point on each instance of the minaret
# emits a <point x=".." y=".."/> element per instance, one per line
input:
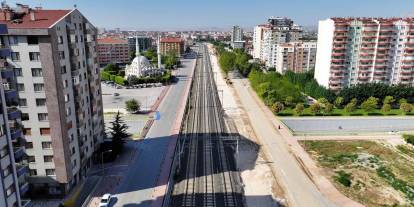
<point x="136" y="47"/>
<point x="159" y="51"/>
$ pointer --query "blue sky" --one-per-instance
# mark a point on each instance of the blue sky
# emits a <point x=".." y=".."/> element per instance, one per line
<point x="185" y="14"/>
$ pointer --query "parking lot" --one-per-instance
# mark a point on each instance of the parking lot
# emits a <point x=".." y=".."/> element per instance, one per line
<point x="349" y="125"/>
<point x="114" y="100"/>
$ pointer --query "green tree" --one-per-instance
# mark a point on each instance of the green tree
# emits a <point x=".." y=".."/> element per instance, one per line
<point x="338" y="102"/>
<point x="328" y="108"/>
<point x="406" y="107"/>
<point x="118" y="131"/>
<point x="403" y="100"/>
<point x="388" y="100"/>
<point x="350" y="107"/>
<point x="315" y="108"/>
<point x="370" y="104"/>
<point x="386" y="108"/>
<point x="299" y="108"/>
<point x="277" y="107"/>
<point x="289" y="101"/>
<point x="323" y="101"/>
<point x="132" y="106"/>
<point x="227" y="61"/>
<point x="111" y="68"/>
<point x="354" y="101"/>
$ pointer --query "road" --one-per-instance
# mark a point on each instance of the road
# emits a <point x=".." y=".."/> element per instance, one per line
<point x="299" y="189"/>
<point x="206" y="174"/>
<point x="137" y="185"/>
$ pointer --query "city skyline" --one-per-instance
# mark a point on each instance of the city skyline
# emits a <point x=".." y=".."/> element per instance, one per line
<point x="175" y="15"/>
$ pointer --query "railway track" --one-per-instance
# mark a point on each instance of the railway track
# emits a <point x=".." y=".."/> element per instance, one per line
<point x="205" y="173"/>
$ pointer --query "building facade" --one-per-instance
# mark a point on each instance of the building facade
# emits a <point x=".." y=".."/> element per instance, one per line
<point x="172" y="44"/>
<point x="277" y="31"/>
<point x="237" y="41"/>
<point x="53" y="53"/>
<point x="111" y="50"/>
<point x="13" y="163"/>
<point x="362" y="50"/>
<point x="298" y="57"/>
<point x="144" y="42"/>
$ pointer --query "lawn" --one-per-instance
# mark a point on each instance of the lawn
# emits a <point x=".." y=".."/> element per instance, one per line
<point x="342" y="112"/>
<point x="369" y="172"/>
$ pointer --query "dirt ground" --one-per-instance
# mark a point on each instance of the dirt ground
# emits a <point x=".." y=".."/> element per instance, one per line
<point x="260" y="185"/>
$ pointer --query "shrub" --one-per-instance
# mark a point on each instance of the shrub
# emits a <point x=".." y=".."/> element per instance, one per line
<point x="285" y="114"/>
<point x="132" y="105"/>
<point x="375" y="114"/>
<point x="299" y="108"/>
<point x="120" y="80"/>
<point x="277" y="107"/>
<point x="409" y="138"/>
<point x="315" y="108"/>
<point x="406" y="107"/>
<point x="343" y="178"/>
<point x="350" y="107"/>
<point x="386" y="107"/>
<point x="370" y="104"/>
<point x="105" y="76"/>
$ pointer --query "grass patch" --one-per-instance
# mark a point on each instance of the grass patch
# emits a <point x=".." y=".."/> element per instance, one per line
<point x="341" y="112"/>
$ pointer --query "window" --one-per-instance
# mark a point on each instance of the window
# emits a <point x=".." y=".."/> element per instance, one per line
<point x="63" y="69"/>
<point x="37" y="72"/>
<point x="67" y="98"/>
<point x="40" y="102"/>
<point x="42" y="116"/>
<point x="18" y="72"/>
<point x="50" y="171"/>
<point x="32" y="40"/>
<point x="13" y="40"/>
<point x="25" y="117"/>
<point x="46" y="145"/>
<point x="48" y="158"/>
<point x="20" y="87"/>
<point x="38" y="87"/>
<point x="7" y="171"/>
<point x="31" y="159"/>
<point x="15" y="56"/>
<point x="10" y="190"/>
<point x="73" y="150"/>
<point x="44" y="131"/>
<point x="4" y="151"/>
<point x="61" y="55"/>
<point x="22" y="102"/>
<point x="33" y="172"/>
<point x="29" y="145"/>
<point x="60" y="40"/>
<point x="34" y="56"/>
<point x="68" y="111"/>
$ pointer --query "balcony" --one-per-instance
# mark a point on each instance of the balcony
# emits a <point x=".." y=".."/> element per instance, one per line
<point x="19" y="152"/>
<point x="24" y="188"/>
<point x="13" y="113"/>
<point x="5" y="52"/>
<point x="7" y="73"/>
<point x="15" y="133"/>
<point x="3" y="29"/>
<point x="22" y="170"/>
<point x="10" y="94"/>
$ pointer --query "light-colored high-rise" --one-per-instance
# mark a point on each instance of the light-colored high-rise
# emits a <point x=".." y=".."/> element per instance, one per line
<point x="294" y="56"/>
<point x="237" y="37"/>
<point x="363" y="50"/>
<point x="53" y="53"/>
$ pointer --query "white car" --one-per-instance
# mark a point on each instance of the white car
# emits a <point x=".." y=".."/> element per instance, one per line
<point x="105" y="200"/>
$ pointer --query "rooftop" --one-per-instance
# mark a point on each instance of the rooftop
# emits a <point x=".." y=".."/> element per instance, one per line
<point x="171" y="39"/>
<point x="109" y="40"/>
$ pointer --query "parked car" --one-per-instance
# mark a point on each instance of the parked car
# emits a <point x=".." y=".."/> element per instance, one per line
<point x="116" y="94"/>
<point x="105" y="200"/>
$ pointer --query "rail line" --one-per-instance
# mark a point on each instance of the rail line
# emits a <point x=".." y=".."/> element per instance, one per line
<point x="205" y="174"/>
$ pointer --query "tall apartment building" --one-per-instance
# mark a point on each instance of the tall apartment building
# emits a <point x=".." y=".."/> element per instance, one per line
<point x="294" y="56"/>
<point x="237" y="37"/>
<point x="277" y="31"/>
<point x="53" y="53"/>
<point x="112" y="50"/>
<point x="145" y="43"/>
<point x="363" y="50"/>
<point x="13" y="163"/>
<point x="172" y="44"/>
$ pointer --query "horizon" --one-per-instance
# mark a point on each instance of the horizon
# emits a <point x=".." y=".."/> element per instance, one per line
<point x="225" y="14"/>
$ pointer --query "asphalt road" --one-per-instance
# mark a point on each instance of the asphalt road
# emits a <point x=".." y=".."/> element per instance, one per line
<point x="139" y="181"/>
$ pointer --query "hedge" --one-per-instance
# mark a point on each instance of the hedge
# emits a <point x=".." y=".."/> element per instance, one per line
<point x="105" y="76"/>
<point x="120" y="80"/>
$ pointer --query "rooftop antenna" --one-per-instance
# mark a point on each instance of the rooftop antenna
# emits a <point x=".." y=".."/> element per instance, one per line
<point x="75" y="6"/>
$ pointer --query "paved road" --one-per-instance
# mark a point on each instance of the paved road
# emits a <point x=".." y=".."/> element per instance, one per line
<point x="299" y="189"/>
<point x="138" y="184"/>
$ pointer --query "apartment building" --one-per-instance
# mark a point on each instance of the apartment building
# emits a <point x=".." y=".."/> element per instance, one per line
<point x="237" y="41"/>
<point x="294" y="56"/>
<point x="113" y="50"/>
<point x="172" y="44"/>
<point x="278" y="30"/>
<point x="363" y="50"/>
<point x="53" y="53"/>
<point x="13" y="163"/>
<point x="145" y="43"/>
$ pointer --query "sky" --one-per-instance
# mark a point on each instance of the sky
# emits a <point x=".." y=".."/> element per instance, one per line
<point x="199" y="14"/>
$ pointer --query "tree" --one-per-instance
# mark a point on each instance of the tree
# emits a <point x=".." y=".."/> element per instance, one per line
<point x="289" y="101"/>
<point x="386" y="108"/>
<point x="118" y="131"/>
<point x="328" y="108"/>
<point x="322" y="101"/>
<point x="406" y="107"/>
<point x="354" y="101"/>
<point x="370" y="104"/>
<point x="338" y="101"/>
<point x="299" y="108"/>
<point x="277" y="107"/>
<point x="132" y="106"/>
<point x="388" y="100"/>
<point x="315" y="108"/>
<point x="403" y="100"/>
<point x="350" y="107"/>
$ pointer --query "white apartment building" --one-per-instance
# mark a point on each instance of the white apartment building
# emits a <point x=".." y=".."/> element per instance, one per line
<point x="53" y="53"/>
<point x="237" y="37"/>
<point x="362" y="50"/>
<point x="294" y="56"/>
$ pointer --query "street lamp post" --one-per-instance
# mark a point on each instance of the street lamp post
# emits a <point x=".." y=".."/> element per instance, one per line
<point x="102" y="161"/>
